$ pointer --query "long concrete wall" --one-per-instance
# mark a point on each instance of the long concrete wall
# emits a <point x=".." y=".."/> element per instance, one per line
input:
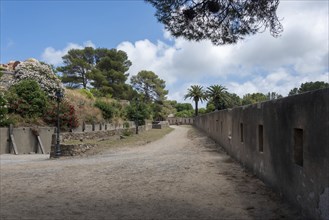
<point x="27" y="143"/>
<point x="284" y="142"/>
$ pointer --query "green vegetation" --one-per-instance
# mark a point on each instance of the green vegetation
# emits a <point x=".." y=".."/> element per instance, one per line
<point x="308" y="86"/>
<point x="27" y="99"/>
<point x="196" y="93"/>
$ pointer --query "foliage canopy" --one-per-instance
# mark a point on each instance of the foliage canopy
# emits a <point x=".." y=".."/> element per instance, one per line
<point x="221" y="21"/>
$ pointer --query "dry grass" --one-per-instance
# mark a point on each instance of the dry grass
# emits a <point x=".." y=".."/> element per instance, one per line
<point x="84" y="106"/>
<point x="129" y="141"/>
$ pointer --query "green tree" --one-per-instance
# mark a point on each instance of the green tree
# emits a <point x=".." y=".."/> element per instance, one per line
<point x="78" y="63"/>
<point x="148" y="84"/>
<point x="196" y="93"/>
<point x="161" y="110"/>
<point x="184" y="114"/>
<point x="253" y="98"/>
<point x="308" y="86"/>
<point x="217" y="94"/>
<point x="183" y="106"/>
<point x="234" y="100"/>
<point x="223" y="22"/>
<point x="138" y="111"/>
<point x="273" y="95"/>
<point x="103" y="69"/>
<point x="110" y="73"/>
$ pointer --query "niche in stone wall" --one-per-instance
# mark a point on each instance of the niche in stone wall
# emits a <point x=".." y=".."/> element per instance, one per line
<point x="260" y="138"/>
<point x="241" y="132"/>
<point x="298" y="146"/>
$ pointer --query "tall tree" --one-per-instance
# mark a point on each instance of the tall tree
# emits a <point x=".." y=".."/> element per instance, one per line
<point x="77" y="65"/>
<point x="221" y="21"/>
<point x="253" y="98"/>
<point x="273" y="95"/>
<point x="308" y="86"/>
<point x="103" y="69"/>
<point x="110" y="73"/>
<point x="150" y="86"/>
<point x="217" y="94"/>
<point x="234" y="100"/>
<point x="196" y="93"/>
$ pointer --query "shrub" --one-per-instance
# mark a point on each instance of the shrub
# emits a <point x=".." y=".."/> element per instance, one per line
<point x="3" y="110"/>
<point x="126" y="131"/>
<point x="107" y="109"/>
<point x="86" y="93"/>
<point x="67" y="115"/>
<point x="27" y="99"/>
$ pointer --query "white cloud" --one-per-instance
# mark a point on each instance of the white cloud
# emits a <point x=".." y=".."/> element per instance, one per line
<point x="53" y="56"/>
<point x="260" y="63"/>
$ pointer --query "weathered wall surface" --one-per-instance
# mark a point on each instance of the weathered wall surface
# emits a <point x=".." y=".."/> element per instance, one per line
<point x="284" y="142"/>
<point x="27" y="143"/>
<point x="184" y="121"/>
<point x="25" y="140"/>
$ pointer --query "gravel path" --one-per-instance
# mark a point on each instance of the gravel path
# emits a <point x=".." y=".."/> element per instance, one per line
<point x="181" y="176"/>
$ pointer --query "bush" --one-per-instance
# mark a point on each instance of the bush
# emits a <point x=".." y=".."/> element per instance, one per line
<point x="107" y="109"/>
<point x="86" y="93"/>
<point x="67" y="115"/>
<point x="3" y="110"/>
<point x="27" y="99"/>
<point x="126" y="131"/>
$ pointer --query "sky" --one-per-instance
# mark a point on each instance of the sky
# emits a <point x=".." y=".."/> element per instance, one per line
<point x="47" y="29"/>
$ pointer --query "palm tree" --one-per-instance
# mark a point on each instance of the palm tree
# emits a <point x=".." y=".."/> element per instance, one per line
<point x="217" y="94"/>
<point x="196" y="93"/>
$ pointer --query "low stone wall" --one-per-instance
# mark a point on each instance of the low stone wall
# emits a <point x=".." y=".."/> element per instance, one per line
<point x="180" y="121"/>
<point x="74" y="149"/>
<point x="27" y="143"/>
<point x="80" y="148"/>
<point x="65" y="137"/>
<point x="160" y="124"/>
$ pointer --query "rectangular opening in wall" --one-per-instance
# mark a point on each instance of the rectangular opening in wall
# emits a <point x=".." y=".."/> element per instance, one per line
<point x="260" y="138"/>
<point x="221" y="127"/>
<point x="241" y="132"/>
<point x="298" y="146"/>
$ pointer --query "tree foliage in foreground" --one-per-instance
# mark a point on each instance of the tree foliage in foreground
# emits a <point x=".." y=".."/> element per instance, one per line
<point x="221" y="21"/>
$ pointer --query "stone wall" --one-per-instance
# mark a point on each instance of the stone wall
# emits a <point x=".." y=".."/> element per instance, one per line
<point x="180" y="121"/>
<point x="27" y="143"/>
<point x="284" y="142"/>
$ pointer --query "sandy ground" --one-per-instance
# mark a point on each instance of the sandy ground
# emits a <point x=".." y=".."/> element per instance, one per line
<point x="181" y="176"/>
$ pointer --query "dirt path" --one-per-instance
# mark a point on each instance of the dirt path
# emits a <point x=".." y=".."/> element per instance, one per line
<point x="182" y="176"/>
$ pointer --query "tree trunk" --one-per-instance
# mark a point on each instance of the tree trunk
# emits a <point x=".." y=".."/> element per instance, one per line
<point x="196" y="108"/>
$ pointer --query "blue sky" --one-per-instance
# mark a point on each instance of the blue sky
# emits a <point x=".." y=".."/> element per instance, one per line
<point x="28" y="27"/>
<point x="46" y="30"/>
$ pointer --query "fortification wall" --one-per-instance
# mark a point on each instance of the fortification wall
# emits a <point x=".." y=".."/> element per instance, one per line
<point x="26" y="141"/>
<point x="284" y="142"/>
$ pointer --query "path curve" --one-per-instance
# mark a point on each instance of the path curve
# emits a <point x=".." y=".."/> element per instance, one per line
<point x="184" y="175"/>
